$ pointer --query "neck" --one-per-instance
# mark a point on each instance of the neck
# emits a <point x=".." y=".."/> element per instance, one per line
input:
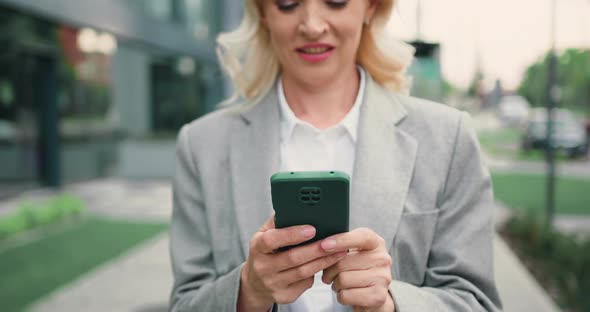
<point x="322" y="105"/>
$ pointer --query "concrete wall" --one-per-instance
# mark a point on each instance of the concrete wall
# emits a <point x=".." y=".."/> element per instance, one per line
<point x="17" y="163"/>
<point x="131" y="90"/>
<point x="147" y="159"/>
<point x="88" y="160"/>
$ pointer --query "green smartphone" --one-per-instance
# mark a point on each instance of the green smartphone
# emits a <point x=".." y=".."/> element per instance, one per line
<point x="317" y="198"/>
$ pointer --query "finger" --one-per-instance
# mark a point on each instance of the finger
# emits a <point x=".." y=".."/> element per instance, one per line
<point x="269" y="224"/>
<point x="367" y="297"/>
<point x="360" y="279"/>
<point x="299" y="255"/>
<point x="358" y="261"/>
<point x="294" y="291"/>
<point x="311" y="268"/>
<point x="272" y="239"/>
<point x="361" y="239"/>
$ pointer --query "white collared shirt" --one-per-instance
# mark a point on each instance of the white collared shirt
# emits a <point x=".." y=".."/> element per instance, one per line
<point x="307" y="148"/>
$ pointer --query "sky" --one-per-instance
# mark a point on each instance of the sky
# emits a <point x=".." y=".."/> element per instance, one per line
<point x="505" y="35"/>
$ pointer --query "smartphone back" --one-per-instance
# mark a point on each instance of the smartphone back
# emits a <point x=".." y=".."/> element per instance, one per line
<point x="317" y="198"/>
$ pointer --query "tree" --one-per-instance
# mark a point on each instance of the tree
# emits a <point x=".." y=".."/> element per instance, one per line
<point x="573" y="80"/>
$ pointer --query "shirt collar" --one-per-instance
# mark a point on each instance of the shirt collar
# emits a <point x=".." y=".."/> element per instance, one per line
<point x="349" y="122"/>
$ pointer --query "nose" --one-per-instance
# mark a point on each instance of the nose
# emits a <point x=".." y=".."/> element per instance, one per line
<point x="312" y="25"/>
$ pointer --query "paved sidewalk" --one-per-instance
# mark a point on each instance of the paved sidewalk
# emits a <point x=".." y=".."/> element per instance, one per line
<point x="579" y="169"/>
<point x="518" y="289"/>
<point x="140" y="281"/>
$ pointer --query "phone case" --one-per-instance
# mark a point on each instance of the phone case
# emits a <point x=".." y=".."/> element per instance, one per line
<point x="317" y="198"/>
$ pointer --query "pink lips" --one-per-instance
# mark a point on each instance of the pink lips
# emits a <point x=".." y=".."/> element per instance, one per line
<point x="315" y="57"/>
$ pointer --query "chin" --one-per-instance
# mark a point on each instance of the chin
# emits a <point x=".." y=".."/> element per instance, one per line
<point x="315" y="74"/>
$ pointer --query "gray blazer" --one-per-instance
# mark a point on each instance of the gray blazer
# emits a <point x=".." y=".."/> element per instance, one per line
<point x="418" y="181"/>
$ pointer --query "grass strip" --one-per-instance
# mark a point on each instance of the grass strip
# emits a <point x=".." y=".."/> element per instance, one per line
<point x="32" y="271"/>
<point x="31" y="215"/>
<point x="527" y="192"/>
<point x="559" y="262"/>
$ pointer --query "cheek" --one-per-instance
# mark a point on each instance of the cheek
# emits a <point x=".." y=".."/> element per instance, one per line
<point x="349" y="30"/>
<point x="281" y="38"/>
<point x="351" y="39"/>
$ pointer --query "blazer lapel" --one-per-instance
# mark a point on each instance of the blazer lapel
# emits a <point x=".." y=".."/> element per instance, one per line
<point x="384" y="164"/>
<point x="382" y="172"/>
<point x="254" y="157"/>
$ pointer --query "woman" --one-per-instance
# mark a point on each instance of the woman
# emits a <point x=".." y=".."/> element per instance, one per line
<point x="319" y="94"/>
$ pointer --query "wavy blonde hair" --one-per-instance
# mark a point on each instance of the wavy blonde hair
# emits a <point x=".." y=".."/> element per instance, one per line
<point x="249" y="60"/>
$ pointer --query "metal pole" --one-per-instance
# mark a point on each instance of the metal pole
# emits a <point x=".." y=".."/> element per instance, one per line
<point x="419" y="20"/>
<point x="551" y="99"/>
<point x="49" y="136"/>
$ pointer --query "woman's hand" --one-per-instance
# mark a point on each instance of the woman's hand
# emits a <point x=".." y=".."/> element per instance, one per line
<point x="362" y="279"/>
<point x="268" y="276"/>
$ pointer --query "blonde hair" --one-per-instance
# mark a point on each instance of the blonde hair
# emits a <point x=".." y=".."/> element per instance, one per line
<point x="249" y="60"/>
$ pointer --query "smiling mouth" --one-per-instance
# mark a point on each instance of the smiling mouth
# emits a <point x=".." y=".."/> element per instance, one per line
<point x="315" y="50"/>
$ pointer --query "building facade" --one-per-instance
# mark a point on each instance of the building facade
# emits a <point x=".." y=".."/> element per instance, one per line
<point x="91" y="89"/>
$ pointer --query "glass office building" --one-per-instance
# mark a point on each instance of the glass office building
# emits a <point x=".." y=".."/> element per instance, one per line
<point x="100" y="88"/>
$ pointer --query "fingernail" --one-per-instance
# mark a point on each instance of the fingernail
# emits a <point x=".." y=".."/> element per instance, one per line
<point x="328" y="244"/>
<point x="309" y="231"/>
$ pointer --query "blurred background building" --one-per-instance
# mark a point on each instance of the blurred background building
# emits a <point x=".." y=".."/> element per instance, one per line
<point x="96" y="88"/>
<point x="427" y="81"/>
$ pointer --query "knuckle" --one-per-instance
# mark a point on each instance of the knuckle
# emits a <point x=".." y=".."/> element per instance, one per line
<point x="267" y="284"/>
<point x="291" y="259"/>
<point x="267" y="240"/>
<point x="302" y="272"/>
<point x="378" y="301"/>
<point x="258" y="267"/>
<point x="343" y="297"/>
<point x="384" y="261"/>
<point x="387" y="279"/>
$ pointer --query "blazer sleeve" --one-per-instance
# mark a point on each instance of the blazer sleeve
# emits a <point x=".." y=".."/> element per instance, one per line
<point x="197" y="286"/>
<point x="459" y="275"/>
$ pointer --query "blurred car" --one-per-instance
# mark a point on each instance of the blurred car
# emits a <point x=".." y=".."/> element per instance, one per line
<point x="568" y="132"/>
<point x="513" y="110"/>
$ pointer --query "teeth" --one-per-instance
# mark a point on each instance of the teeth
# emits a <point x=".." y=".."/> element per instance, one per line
<point x="315" y="50"/>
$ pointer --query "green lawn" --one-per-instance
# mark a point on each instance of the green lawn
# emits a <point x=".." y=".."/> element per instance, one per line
<point x="499" y="137"/>
<point x="31" y="271"/>
<point x="528" y="193"/>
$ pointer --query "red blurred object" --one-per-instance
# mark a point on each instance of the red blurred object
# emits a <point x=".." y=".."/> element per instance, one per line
<point x="68" y="38"/>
